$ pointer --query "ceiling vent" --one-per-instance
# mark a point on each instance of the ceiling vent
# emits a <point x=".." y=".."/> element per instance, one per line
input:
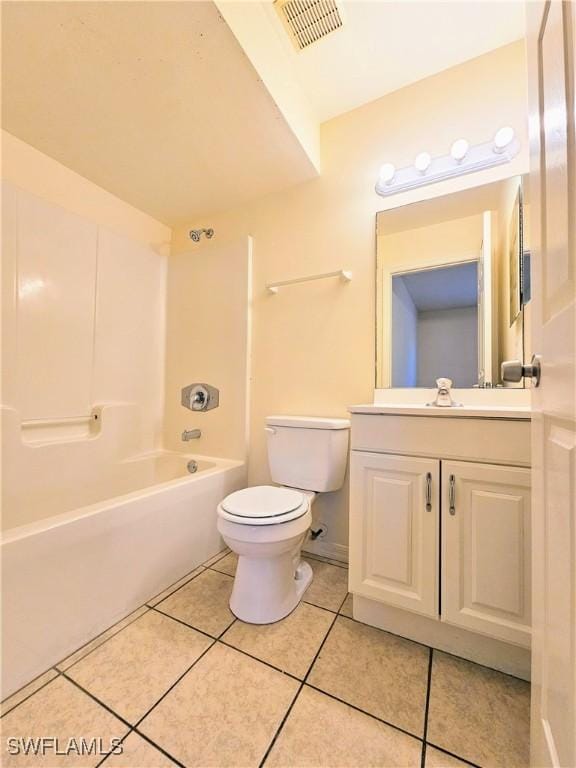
<point x="308" y="21"/>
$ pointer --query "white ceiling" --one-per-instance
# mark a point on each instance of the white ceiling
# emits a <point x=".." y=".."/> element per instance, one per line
<point x="158" y="103"/>
<point x="385" y="45"/>
<point x="154" y="101"/>
<point x="443" y="287"/>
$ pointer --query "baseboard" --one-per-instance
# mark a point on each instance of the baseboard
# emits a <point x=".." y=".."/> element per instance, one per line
<point x="327" y="549"/>
<point x="505" y="657"/>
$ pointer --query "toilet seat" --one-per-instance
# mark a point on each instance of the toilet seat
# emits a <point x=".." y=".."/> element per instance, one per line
<point x="264" y="505"/>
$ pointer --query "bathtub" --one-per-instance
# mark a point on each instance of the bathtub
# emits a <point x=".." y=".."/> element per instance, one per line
<point x="68" y="577"/>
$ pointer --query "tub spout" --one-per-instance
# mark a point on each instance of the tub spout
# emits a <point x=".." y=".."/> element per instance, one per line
<point x="191" y="434"/>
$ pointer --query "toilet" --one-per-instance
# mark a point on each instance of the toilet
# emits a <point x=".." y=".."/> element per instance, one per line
<point x="266" y="525"/>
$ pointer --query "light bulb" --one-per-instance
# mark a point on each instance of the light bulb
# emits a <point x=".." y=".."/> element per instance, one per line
<point x="387" y="173"/>
<point x="459" y="150"/>
<point x="422" y="162"/>
<point x="504" y="137"/>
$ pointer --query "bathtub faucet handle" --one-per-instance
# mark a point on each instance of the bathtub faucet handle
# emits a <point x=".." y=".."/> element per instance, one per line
<point x="200" y="397"/>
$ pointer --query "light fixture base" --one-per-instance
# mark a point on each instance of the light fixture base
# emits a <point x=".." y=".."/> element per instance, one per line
<point x="477" y="158"/>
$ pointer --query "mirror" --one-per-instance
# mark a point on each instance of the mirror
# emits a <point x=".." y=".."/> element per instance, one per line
<point x="453" y="287"/>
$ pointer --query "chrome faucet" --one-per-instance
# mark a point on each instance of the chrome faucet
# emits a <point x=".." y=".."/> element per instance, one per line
<point x="191" y="434"/>
<point x="444" y="396"/>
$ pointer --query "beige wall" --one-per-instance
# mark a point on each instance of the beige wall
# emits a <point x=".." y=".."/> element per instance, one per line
<point x="27" y="168"/>
<point x="313" y="345"/>
<point x="208" y="341"/>
<point x="83" y="308"/>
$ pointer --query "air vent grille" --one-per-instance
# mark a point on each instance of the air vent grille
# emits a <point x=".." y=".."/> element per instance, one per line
<point x="308" y="21"/>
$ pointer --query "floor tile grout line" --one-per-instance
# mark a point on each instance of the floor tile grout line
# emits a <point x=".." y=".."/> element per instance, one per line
<point x="223" y="641"/>
<point x="61" y="661"/>
<point x="309" y="602"/>
<point x="109" y="753"/>
<point x="148" y="608"/>
<point x="37" y="690"/>
<point x="311" y="685"/>
<point x="279" y="729"/>
<point x="174" y="684"/>
<point x="144" y="605"/>
<point x="262" y="661"/>
<point x="427" y="708"/>
<point x="222" y="556"/>
<point x="58" y="672"/>
<point x="188" y="573"/>
<point x="453" y="754"/>
<point x="70" y="666"/>
<point x="158" y="747"/>
<point x="304" y="555"/>
<point x="317" y="654"/>
<point x="326" y="561"/>
<point x="191" y="626"/>
<point x="195" y="576"/>
<point x="479" y="664"/>
<point x="6" y="698"/>
<point x="303" y="600"/>
<point x="149" y="740"/>
<point x="224" y="573"/>
<point x="430" y="647"/>
<point x="387" y="632"/>
<point x="299" y="691"/>
<point x="97" y="700"/>
<point x="135" y="727"/>
<point x="364" y="711"/>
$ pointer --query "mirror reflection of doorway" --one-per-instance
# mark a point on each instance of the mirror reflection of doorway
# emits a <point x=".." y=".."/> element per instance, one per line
<point x="435" y="321"/>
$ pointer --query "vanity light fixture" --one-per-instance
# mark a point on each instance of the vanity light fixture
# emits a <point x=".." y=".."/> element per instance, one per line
<point x="462" y="159"/>
<point x="503" y="138"/>
<point x="459" y="150"/>
<point x="387" y="173"/>
<point x="422" y="162"/>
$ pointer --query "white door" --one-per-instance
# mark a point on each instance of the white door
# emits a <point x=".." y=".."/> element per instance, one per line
<point x="486" y="549"/>
<point x="394" y="530"/>
<point x="552" y="195"/>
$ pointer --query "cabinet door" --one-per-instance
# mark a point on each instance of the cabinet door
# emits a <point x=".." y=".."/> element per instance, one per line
<point x="394" y="520"/>
<point x="486" y="549"/>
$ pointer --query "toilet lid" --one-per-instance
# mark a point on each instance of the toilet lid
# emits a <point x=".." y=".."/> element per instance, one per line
<point x="263" y="502"/>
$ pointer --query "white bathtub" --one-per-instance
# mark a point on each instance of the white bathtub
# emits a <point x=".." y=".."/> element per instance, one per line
<point x="68" y="577"/>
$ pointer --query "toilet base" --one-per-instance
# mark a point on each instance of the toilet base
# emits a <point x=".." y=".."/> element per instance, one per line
<point x="268" y="589"/>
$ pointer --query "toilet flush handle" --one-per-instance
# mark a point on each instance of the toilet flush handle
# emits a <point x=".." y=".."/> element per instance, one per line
<point x="270" y="430"/>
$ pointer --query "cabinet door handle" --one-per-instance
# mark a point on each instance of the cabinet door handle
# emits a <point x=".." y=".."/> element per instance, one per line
<point x="428" y="491"/>
<point x="452" y="495"/>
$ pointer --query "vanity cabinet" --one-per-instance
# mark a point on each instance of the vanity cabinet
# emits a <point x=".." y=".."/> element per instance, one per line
<point x="485" y="563"/>
<point x="444" y="538"/>
<point x="394" y="532"/>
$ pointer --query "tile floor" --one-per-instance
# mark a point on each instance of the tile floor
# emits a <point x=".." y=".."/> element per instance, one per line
<point x="182" y="682"/>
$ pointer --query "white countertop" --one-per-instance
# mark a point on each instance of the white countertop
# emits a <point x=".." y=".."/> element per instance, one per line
<point x="464" y="411"/>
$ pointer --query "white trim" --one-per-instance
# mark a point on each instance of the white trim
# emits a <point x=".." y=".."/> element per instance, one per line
<point x="327" y="549"/>
<point x="481" y="649"/>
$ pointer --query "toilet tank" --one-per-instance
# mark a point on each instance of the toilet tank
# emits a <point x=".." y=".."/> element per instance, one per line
<point x="307" y="452"/>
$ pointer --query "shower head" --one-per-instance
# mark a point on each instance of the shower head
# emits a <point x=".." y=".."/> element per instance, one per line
<point x="196" y="234"/>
